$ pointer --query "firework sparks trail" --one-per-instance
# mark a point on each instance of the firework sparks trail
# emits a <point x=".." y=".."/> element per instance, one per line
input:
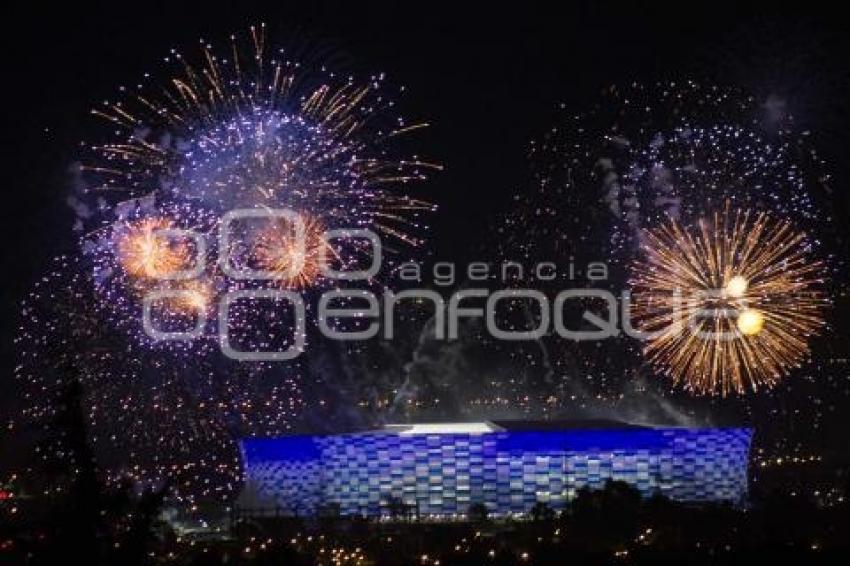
<point x="641" y="155"/>
<point x="240" y="128"/>
<point x="277" y="252"/>
<point x="732" y="304"/>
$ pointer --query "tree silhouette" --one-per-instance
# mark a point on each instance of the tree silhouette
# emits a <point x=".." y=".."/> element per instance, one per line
<point x="542" y="512"/>
<point x="91" y="522"/>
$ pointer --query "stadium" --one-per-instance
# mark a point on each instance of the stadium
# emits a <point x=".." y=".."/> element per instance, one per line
<point x="439" y="470"/>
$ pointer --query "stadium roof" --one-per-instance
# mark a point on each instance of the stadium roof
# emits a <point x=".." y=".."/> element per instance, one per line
<point x="482" y="427"/>
<point x="568" y="424"/>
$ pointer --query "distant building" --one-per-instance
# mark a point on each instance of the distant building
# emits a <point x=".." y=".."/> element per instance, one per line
<point x="440" y="469"/>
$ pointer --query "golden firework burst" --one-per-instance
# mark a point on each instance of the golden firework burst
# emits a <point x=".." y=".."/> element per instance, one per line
<point x="299" y="264"/>
<point x="731" y="305"/>
<point x="146" y="253"/>
<point x="194" y="297"/>
<point x="258" y="124"/>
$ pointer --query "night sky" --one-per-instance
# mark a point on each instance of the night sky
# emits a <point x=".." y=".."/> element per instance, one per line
<point x="488" y="80"/>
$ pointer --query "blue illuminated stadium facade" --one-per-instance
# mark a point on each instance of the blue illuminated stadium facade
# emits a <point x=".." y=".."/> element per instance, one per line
<point x="508" y="466"/>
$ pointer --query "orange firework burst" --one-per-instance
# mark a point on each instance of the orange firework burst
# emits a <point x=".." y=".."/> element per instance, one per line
<point x="731" y="305"/>
<point x="279" y="251"/>
<point x="194" y="297"/>
<point x="145" y="252"/>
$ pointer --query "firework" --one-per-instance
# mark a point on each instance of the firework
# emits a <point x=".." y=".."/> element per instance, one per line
<point x="645" y="153"/>
<point x="639" y="155"/>
<point x="243" y="129"/>
<point x="732" y="305"/>
<point x="151" y="249"/>
<point x="239" y="128"/>
<point x="148" y="420"/>
<point x="144" y="252"/>
<point x="299" y="264"/>
<point x="193" y="297"/>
